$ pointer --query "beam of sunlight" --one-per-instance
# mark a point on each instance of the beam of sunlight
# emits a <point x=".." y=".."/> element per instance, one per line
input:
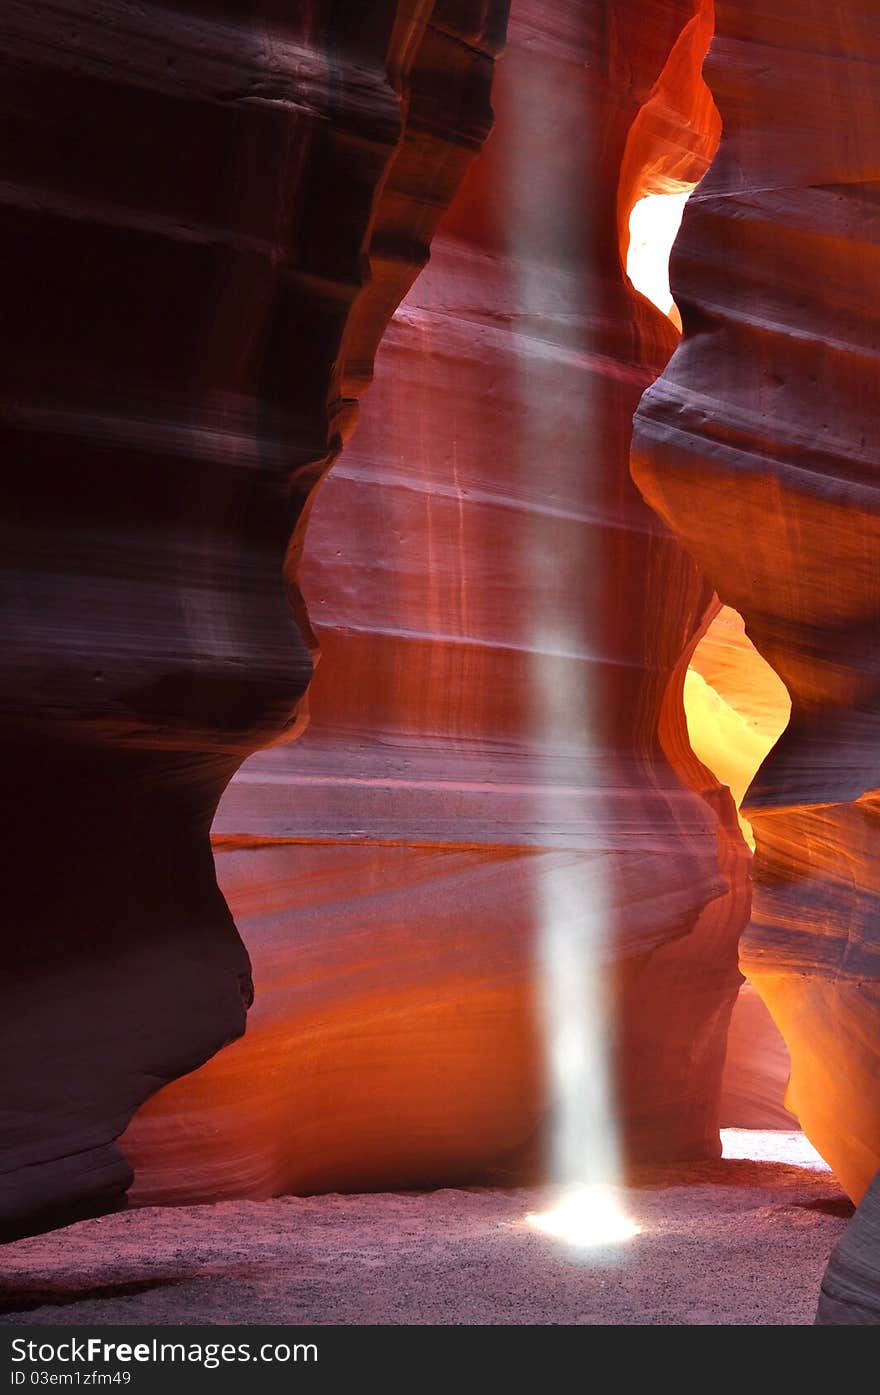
<point x="586" y="1216"/>
<point x="560" y="459"/>
<point x="585" y="1153"/>
<point x="548" y="225"/>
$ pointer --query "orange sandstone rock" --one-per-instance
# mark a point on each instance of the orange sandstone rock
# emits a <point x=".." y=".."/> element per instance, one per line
<point x="758" y="448"/>
<point x="504" y="630"/>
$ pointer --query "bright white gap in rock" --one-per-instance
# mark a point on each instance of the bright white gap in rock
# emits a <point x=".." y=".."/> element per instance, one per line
<point x="772" y="1145"/>
<point x="653" y="226"/>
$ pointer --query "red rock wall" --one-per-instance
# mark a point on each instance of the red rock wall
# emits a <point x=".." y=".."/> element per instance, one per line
<point x="757" y="447"/>
<point x="850" y="1291"/>
<point x="478" y="556"/>
<point x="737" y="707"/>
<point x="191" y="203"/>
<point x="757" y="1067"/>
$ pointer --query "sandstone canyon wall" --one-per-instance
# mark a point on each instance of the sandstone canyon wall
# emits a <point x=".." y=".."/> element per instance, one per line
<point x="737" y="708"/>
<point x="496" y="720"/>
<point x="758" y="447"/>
<point x="208" y="215"/>
<point x="850" y="1292"/>
<point x="211" y="239"/>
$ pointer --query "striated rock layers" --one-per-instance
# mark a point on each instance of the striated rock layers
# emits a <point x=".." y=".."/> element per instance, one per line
<point x="497" y="740"/>
<point x="193" y="203"/>
<point x="736" y="709"/>
<point x="850" y="1292"/>
<point x="758" y="447"/>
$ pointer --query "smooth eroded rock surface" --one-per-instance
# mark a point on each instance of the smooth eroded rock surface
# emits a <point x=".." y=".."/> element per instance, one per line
<point x="207" y="216"/>
<point x="758" y="447"/>
<point x="497" y="743"/>
<point x="850" y="1293"/>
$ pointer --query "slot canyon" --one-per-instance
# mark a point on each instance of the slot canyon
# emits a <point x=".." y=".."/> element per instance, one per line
<point x="440" y="662"/>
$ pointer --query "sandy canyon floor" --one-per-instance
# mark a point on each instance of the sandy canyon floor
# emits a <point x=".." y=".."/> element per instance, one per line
<point x="740" y="1241"/>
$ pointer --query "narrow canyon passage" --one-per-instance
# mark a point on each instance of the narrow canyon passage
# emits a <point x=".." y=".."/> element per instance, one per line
<point x="390" y="843"/>
<point x="479" y="896"/>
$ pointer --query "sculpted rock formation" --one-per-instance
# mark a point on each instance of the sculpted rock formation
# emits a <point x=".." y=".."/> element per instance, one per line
<point x="757" y="1068"/>
<point x="194" y="203"/>
<point x="737" y="708"/>
<point x="496" y="718"/>
<point x="498" y="741"/>
<point x="757" y="447"/>
<point x="850" y="1294"/>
